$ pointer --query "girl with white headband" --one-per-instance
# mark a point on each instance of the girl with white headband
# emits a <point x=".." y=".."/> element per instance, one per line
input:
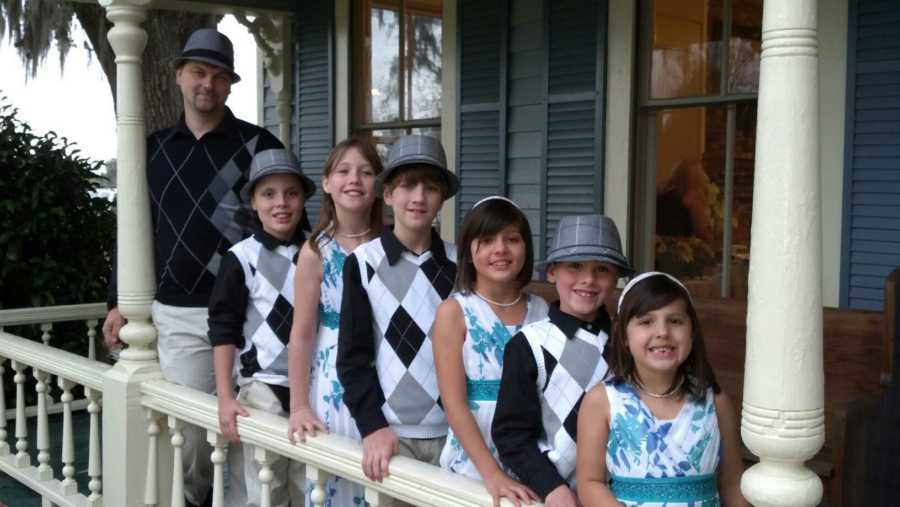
<point x="472" y="328"/>
<point x="659" y="432"/>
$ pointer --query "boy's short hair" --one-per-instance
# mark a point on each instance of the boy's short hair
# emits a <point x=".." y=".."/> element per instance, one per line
<point x="413" y="174"/>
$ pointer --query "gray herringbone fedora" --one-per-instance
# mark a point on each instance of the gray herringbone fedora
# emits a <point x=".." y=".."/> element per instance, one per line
<point x="587" y="238"/>
<point x="208" y="45"/>
<point x="275" y="161"/>
<point x="418" y="149"/>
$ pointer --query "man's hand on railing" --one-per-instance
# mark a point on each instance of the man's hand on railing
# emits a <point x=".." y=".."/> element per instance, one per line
<point x="303" y="421"/>
<point x="378" y="449"/>
<point x="229" y="409"/>
<point x="111" y="326"/>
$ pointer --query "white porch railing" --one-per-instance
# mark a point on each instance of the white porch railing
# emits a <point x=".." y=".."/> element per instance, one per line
<point x="70" y="370"/>
<point x="168" y="408"/>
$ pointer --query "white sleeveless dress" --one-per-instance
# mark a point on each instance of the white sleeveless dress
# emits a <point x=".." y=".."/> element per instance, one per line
<point x="486" y="338"/>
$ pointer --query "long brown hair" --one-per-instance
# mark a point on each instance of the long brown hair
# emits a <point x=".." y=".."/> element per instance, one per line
<point x="327" y="213"/>
<point x="695" y="374"/>
<point x="485" y="220"/>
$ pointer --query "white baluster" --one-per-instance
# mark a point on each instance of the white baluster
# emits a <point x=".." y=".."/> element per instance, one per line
<point x="318" y="478"/>
<point x="4" y="447"/>
<point x="151" y="484"/>
<point x="45" y="332"/>
<point x="94" y="466"/>
<point x="22" y="458"/>
<point x="69" y="486"/>
<point x="92" y="338"/>
<point x="218" y="458"/>
<point x="175" y="427"/>
<point x="378" y="499"/>
<point x="265" y="458"/>
<point x="45" y="472"/>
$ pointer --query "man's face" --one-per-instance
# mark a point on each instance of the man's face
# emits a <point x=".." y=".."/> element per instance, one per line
<point x="204" y="87"/>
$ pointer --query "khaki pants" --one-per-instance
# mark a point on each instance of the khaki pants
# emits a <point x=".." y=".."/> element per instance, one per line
<point x="289" y="478"/>
<point x="185" y="358"/>
<point x="427" y="450"/>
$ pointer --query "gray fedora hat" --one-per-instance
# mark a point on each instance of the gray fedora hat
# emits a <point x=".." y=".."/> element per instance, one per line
<point x="275" y="161"/>
<point x="211" y="46"/>
<point x="418" y="149"/>
<point x="587" y="238"/>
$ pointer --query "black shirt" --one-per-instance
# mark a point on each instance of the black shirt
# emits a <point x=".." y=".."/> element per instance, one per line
<point x="195" y="204"/>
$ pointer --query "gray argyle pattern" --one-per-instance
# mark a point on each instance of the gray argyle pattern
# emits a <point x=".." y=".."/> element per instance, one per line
<point x="404" y="298"/>
<point x="579" y="366"/>
<point x="269" y="275"/>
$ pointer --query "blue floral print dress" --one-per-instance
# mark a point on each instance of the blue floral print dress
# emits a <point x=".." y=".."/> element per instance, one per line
<point x="326" y="394"/>
<point x="656" y="462"/>
<point x="486" y="337"/>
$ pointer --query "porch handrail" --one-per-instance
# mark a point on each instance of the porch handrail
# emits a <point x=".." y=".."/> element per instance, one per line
<point x="49" y="314"/>
<point x="56" y="362"/>
<point x="410" y="480"/>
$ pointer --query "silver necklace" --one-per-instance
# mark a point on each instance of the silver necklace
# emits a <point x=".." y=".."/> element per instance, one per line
<point x="356" y="234"/>
<point x="501" y="305"/>
<point x="667" y="394"/>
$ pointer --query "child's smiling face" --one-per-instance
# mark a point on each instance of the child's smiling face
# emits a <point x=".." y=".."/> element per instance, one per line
<point x="415" y="204"/>
<point x="351" y="182"/>
<point x="583" y="286"/>
<point x="660" y="340"/>
<point x="499" y="258"/>
<point x="278" y="200"/>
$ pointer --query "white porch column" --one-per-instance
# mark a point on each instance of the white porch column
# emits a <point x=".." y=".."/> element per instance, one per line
<point x="783" y="413"/>
<point x="124" y="434"/>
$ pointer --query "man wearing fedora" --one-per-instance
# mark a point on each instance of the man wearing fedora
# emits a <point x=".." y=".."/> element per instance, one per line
<point x="195" y="171"/>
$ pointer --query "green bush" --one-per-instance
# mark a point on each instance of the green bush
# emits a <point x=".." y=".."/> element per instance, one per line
<point x="55" y="238"/>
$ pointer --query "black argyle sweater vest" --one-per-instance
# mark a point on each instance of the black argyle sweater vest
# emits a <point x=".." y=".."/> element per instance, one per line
<point x="404" y="297"/>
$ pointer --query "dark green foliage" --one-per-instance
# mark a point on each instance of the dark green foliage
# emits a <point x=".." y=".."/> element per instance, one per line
<point x="55" y="238"/>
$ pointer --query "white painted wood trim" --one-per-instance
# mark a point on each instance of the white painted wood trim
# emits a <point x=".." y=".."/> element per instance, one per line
<point x="58" y="363"/>
<point x="410" y="480"/>
<point x="619" y="122"/>
<point x="342" y="69"/>
<point x="47" y="314"/>
<point x="449" y="110"/>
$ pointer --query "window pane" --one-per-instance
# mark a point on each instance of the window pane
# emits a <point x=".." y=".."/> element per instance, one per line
<point x="689" y="194"/>
<point x="423" y="48"/>
<point x="742" y="209"/>
<point x="687" y="38"/>
<point x="744" y="47"/>
<point x="382" y="102"/>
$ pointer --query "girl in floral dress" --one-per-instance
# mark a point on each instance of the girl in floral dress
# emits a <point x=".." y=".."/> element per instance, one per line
<point x="350" y="215"/>
<point x="659" y="432"/>
<point x="471" y="330"/>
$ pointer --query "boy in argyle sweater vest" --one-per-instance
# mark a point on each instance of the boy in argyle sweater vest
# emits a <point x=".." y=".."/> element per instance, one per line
<point x="550" y="364"/>
<point x="392" y="288"/>
<point x="251" y="310"/>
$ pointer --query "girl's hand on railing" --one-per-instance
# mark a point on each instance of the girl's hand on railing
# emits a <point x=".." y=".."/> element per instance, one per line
<point x="378" y="449"/>
<point x="500" y="485"/>
<point x="303" y="421"/>
<point x="229" y="409"/>
<point x="111" y="326"/>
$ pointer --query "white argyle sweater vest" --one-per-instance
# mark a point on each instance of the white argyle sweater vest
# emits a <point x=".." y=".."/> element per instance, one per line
<point x="404" y="298"/>
<point x="577" y="365"/>
<point x="269" y="276"/>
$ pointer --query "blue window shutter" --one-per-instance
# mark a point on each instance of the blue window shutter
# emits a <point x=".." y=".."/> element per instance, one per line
<point x="480" y="151"/>
<point x="574" y="159"/>
<point x="871" y="225"/>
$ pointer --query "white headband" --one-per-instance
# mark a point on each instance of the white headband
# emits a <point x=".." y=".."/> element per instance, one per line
<point x="499" y="197"/>
<point x="644" y="276"/>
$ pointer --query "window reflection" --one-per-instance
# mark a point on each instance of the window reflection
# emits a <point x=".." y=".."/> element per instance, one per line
<point x="690" y="196"/>
<point x="685" y="52"/>
<point x="745" y="46"/>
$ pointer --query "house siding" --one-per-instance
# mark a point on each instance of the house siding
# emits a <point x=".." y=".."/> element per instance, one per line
<point x="871" y="225"/>
<point x="312" y="126"/>
<point x="533" y="88"/>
